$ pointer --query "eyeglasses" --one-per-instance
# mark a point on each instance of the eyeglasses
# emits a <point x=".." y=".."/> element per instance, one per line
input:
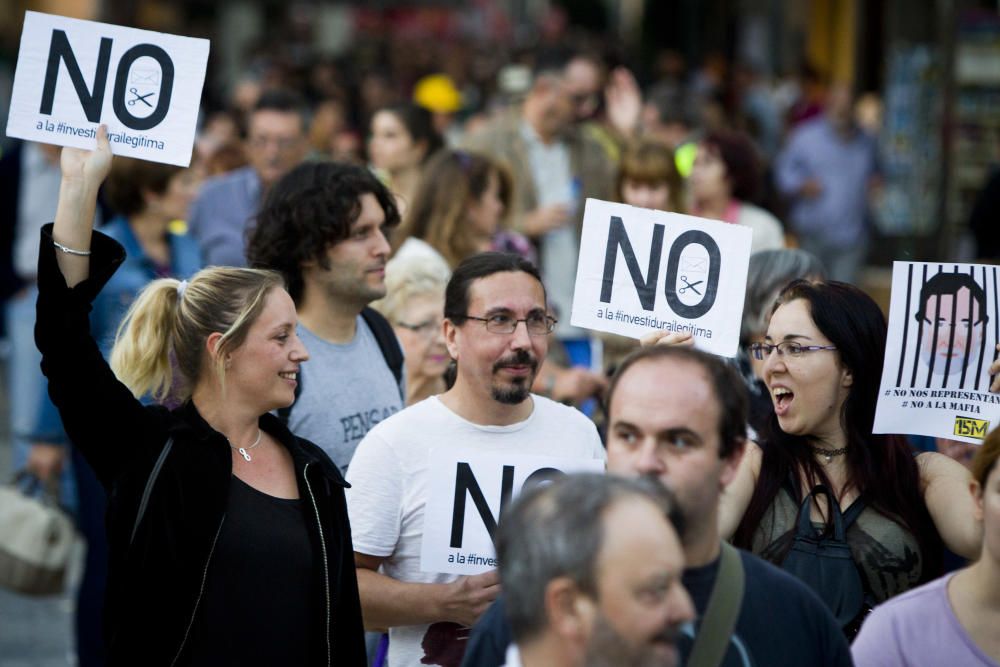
<point x="537" y="324"/>
<point x="426" y="329"/>
<point x="762" y="351"/>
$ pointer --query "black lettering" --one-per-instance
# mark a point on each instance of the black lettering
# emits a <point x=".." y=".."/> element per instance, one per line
<point x="162" y="99"/>
<point x="91" y="100"/>
<point x="698" y="237"/>
<point x="465" y="483"/>
<point x="644" y="287"/>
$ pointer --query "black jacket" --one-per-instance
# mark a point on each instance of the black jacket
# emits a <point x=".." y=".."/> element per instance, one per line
<point x="155" y="584"/>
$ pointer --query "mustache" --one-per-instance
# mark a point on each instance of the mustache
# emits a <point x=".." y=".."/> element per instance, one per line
<point x="519" y="358"/>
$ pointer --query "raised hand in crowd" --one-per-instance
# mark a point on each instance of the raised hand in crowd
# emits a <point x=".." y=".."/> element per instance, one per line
<point x="545" y="218"/>
<point x="623" y="101"/>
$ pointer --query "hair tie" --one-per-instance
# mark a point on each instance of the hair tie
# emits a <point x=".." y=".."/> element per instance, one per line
<point x="181" y="286"/>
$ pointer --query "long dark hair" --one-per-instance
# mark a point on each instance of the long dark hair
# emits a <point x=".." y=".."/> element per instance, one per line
<point x="881" y="468"/>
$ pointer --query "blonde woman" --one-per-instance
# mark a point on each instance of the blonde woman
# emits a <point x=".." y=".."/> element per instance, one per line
<point x="414" y="305"/>
<point x="229" y="541"/>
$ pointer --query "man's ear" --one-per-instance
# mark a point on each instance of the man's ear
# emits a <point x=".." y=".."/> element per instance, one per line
<point x="450" y="338"/>
<point x="731" y="464"/>
<point x="569" y="612"/>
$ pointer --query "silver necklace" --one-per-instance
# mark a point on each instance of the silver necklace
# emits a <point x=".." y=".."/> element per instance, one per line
<point x="243" y="450"/>
<point x="828" y="454"/>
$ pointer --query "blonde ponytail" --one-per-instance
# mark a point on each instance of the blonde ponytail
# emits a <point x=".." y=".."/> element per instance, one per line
<point x="141" y="353"/>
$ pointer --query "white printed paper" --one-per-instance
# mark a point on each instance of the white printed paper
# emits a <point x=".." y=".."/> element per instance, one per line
<point x="642" y="270"/>
<point x="73" y="75"/>
<point x="459" y="526"/>
<point x="943" y="331"/>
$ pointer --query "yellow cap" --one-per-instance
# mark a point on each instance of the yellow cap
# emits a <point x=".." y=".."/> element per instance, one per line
<point x="437" y="93"/>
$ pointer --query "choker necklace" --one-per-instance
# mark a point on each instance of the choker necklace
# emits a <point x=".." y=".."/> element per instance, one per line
<point x="828" y="454"/>
<point x="243" y="450"/>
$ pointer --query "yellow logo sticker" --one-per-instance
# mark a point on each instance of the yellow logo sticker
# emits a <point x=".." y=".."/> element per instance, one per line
<point x="971" y="427"/>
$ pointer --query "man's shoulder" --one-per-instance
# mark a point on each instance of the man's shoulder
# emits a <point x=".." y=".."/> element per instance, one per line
<point x="921" y="601"/>
<point x="224" y="185"/>
<point x="406" y="423"/>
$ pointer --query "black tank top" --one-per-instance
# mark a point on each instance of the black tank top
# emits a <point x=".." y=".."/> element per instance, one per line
<point x="262" y="603"/>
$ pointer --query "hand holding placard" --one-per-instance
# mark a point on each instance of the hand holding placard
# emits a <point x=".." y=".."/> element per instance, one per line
<point x="469" y="597"/>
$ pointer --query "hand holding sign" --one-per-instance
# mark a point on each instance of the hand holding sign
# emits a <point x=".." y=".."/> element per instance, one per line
<point x="89" y="168"/>
<point x="469" y="597"/>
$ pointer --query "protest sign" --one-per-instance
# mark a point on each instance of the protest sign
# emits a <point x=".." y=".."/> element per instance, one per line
<point x="73" y="75"/>
<point x="642" y="270"/>
<point x="468" y="493"/>
<point x="943" y="329"/>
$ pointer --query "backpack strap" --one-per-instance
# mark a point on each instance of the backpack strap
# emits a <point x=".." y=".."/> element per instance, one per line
<point x="854" y="511"/>
<point x="387" y="343"/>
<point x="723" y="608"/>
<point x="149" y="487"/>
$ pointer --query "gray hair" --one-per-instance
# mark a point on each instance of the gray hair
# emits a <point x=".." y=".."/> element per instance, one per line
<point x="770" y="271"/>
<point x="408" y="278"/>
<point x="555" y="530"/>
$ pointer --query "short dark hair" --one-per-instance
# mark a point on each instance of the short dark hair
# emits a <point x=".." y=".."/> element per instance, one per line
<point x="950" y="283"/>
<point x="483" y="265"/>
<point x="556" y="530"/>
<point x="309" y="209"/>
<point x="729" y="388"/>
<point x="739" y="154"/>
<point x="130" y="179"/>
<point x="283" y="101"/>
<point x="419" y="124"/>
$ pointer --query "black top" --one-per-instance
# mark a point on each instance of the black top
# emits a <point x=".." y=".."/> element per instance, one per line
<point x="263" y="582"/>
<point x="781" y="623"/>
<point x="156" y="580"/>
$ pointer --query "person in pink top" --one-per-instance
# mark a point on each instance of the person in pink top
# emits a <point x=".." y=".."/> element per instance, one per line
<point x="953" y="620"/>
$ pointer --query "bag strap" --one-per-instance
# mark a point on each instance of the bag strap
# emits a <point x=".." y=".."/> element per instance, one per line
<point x="723" y="608"/>
<point x="149" y="487"/>
<point x="387" y="343"/>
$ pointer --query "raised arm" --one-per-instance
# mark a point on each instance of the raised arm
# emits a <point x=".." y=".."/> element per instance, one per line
<point x="945" y="486"/>
<point x="82" y="174"/>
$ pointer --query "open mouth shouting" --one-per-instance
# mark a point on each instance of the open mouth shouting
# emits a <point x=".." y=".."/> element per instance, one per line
<point x="782" y="397"/>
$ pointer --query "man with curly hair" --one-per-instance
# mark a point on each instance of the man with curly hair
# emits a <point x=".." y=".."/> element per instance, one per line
<point x="324" y="227"/>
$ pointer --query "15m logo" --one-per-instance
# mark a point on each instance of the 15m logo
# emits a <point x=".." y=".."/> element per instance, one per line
<point x="971" y="428"/>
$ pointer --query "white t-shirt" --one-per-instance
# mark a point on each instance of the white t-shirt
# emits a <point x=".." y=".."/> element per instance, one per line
<point x="389" y="489"/>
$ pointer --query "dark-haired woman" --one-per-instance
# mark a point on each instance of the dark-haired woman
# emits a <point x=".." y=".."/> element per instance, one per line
<point x="822" y="358"/>
<point x="402" y="139"/>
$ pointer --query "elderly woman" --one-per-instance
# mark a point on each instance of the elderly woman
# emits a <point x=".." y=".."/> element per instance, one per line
<point x="414" y="305"/>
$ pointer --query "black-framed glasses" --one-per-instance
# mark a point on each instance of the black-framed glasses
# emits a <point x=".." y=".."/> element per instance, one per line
<point x="762" y="351"/>
<point x="537" y="324"/>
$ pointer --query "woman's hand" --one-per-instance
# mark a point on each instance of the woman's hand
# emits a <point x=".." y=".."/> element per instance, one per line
<point x="995" y="373"/>
<point x="88" y="168"/>
<point x="682" y="338"/>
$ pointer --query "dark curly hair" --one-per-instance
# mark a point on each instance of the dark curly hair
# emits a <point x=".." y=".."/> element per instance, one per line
<point x="308" y="210"/>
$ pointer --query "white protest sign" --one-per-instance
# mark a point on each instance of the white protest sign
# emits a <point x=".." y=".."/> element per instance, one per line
<point x="944" y="325"/>
<point x="73" y="75"/>
<point x="642" y="270"/>
<point x="468" y="492"/>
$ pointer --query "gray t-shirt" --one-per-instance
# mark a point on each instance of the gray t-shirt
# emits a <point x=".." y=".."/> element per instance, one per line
<point x="346" y="390"/>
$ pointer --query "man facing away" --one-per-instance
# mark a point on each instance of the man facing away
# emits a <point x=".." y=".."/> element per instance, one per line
<point x="227" y="204"/>
<point x="324" y="227"/>
<point x="591" y="568"/>
<point x="679" y="415"/>
<point x="496" y="329"/>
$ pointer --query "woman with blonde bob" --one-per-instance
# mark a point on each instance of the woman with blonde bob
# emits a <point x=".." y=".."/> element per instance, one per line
<point x="229" y="538"/>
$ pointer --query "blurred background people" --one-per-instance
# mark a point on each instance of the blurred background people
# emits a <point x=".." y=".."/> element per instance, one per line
<point x="403" y="138"/>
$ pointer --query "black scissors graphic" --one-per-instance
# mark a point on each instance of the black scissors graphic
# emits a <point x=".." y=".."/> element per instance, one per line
<point x="689" y="286"/>
<point x="139" y="98"/>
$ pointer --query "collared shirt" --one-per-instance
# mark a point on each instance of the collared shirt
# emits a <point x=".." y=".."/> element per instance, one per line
<point x="843" y="167"/>
<point x="513" y="657"/>
<point x="555" y="183"/>
<point x="220" y="215"/>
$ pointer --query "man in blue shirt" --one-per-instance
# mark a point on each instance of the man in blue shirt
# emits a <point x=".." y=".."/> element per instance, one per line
<point x="826" y="171"/>
<point x="276" y="142"/>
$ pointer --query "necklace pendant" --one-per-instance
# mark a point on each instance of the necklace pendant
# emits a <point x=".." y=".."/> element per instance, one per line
<point x="246" y="456"/>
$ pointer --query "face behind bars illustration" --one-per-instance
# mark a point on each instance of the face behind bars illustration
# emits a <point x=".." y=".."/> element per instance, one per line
<point x="952" y="313"/>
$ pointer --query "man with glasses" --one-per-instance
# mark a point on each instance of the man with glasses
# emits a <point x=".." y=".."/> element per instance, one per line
<point x="276" y="142"/>
<point x="951" y="322"/>
<point x="496" y="329"/>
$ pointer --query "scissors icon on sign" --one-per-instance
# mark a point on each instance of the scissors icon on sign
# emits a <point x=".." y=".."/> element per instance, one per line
<point x="139" y="98"/>
<point x="690" y="286"/>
